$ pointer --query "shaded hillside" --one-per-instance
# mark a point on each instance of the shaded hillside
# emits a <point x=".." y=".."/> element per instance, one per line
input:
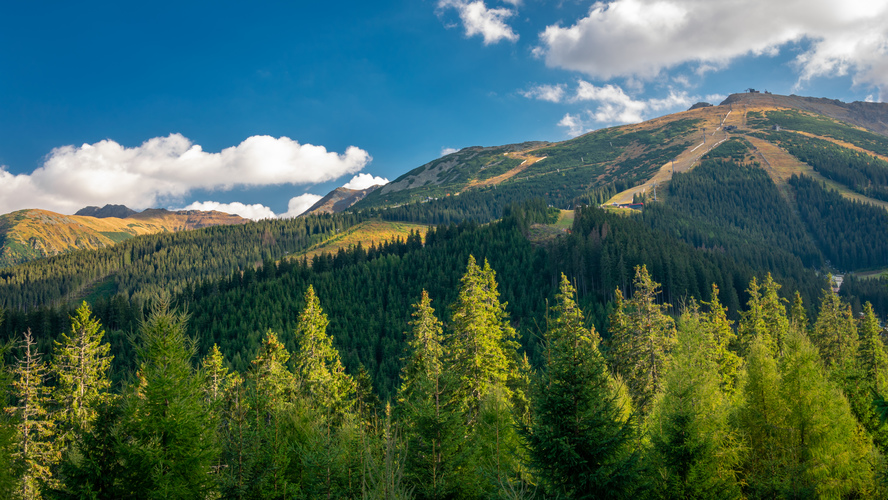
<point x="32" y="234"/>
<point x="119" y="211"/>
<point x="338" y="200"/>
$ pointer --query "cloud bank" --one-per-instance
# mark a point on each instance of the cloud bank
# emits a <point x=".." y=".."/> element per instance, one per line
<point x="641" y="38"/>
<point x="166" y="168"/>
<point x="478" y="19"/>
<point x="363" y="181"/>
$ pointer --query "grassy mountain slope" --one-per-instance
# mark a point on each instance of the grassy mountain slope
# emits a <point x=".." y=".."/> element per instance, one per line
<point x="372" y="232"/>
<point x="31" y="234"/>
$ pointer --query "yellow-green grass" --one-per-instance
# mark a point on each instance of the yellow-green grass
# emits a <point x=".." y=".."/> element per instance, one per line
<point x="543" y="233"/>
<point x="365" y="233"/>
<point x="868" y="275"/>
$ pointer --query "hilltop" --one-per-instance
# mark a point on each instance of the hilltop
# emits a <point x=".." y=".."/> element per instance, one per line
<point x="32" y="234"/>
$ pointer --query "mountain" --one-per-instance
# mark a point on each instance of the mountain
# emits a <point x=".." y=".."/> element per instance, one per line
<point x="32" y="234"/>
<point x="118" y="211"/>
<point x="629" y="160"/>
<point x="339" y="199"/>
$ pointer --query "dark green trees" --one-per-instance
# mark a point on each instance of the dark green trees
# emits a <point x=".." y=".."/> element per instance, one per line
<point x="642" y="336"/>
<point x="167" y="439"/>
<point x="580" y="443"/>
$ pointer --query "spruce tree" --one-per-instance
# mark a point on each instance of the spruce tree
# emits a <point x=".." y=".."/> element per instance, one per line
<point x="723" y="339"/>
<point x="431" y="427"/>
<point x="696" y="452"/>
<point x="483" y="350"/>
<point x="835" y="333"/>
<point x="8" y="429"/>
<point x="765" y="317"/>
<point x="320" y="376"/>
<point x="80" y="365"/>
<point x="170" y="441"/>
<point x="37" y="451"/>
<point x="642" y="336"/>
<point x="580" y="443"/>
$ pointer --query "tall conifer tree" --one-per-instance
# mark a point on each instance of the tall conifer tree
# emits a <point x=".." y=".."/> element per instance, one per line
<point x="80" y="365"/>
<point x="642" y="336"/>
<point x="580" y="444"/>
<point x="170" y="441"/>
<point x="37" y="450"/>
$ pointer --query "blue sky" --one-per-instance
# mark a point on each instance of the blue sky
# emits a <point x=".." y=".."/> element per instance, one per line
<point x="260" y="107"/>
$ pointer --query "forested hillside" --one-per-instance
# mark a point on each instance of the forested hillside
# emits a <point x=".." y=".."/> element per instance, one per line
<point x="691" y="349"/>
<point x="657" y="406"/>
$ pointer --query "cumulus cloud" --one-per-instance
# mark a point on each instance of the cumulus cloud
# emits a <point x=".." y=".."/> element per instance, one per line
<point x="641" y="38"/>
<point x="448" y="151"/>
<point x="363" y="181"/>
<point x="254" y="212"/>
<point x="615" y="106"/>
<point x="551" y="93"/>
<point x="478" y="19"/>
<point x="168" y="168"/>
<point x="300" y="204"/>
<point x="574" y="125"/>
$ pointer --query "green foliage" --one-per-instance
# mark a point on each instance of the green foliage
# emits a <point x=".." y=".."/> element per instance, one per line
<point x="765" y="317"/>
<point x="320" y="376"/>
<point x="695" y="450"/>
<point x="481" y="341"/>
<point x="835" y="333"/>
<point x="642" y="336"/>
<point x="36" y="448"/>
<point x="580" y="443"/>
<point x="803" y="437"/>
<point x="165" y="450"/>
<point x="80" y="366"/>
<point x="842" y="228"/>
<point x="827" y="127"/>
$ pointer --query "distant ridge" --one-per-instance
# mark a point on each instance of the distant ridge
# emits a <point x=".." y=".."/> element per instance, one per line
<point x="339" y="199"/>
<point x="26" y="235"/>
<point x="119" y="211"/>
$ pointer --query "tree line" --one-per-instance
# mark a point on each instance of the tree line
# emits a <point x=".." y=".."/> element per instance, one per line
<point x="692" y="405"/>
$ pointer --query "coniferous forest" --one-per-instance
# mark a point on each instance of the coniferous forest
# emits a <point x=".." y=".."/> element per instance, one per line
<point x="692" y="350"/>
<point x="774" y="405"/>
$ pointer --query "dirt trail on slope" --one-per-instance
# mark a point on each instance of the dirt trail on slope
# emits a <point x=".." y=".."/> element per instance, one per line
<point x="713" y="129"/>
<point x="528" y="161"/>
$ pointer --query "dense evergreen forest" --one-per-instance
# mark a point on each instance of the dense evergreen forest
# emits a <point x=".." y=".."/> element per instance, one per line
<point x="651" y="355"/>
<point x="659" y="406"/>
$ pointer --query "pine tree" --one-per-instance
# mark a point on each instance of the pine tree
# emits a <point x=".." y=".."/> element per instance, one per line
<point x="873" y="357"/>
<point x="765" y="316"/>
<point x="835" y="332"/>
<point x="642" y="336"/>
<point x="580" y="441"/>
<point x="80" y="365"/>
<point x="723" y="338"/>
<point x="320" y="376"/>
<point x="37" y="450"/>
<point x="171" y="441"/>
<point x="696" y="452"/>
<point x="431" y="427"/>
<point x="483" y="352"/>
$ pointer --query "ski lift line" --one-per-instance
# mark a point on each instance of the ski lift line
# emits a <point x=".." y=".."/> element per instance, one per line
<point x="698" y="145"/>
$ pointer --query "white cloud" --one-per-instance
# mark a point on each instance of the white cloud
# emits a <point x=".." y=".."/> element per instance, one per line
<point x="300" y="204"/>
<point x="551" y="93"/>
<point x="615" y="106"/>
<point x="574" y="125"/>
<point x="363" y="181"/>
<point x="254" y="212"/>
<point x="448" y="151"/>
<point x="478" y="19"/>
<point x="168" y="168"/>
<point x="641" y="38"/>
